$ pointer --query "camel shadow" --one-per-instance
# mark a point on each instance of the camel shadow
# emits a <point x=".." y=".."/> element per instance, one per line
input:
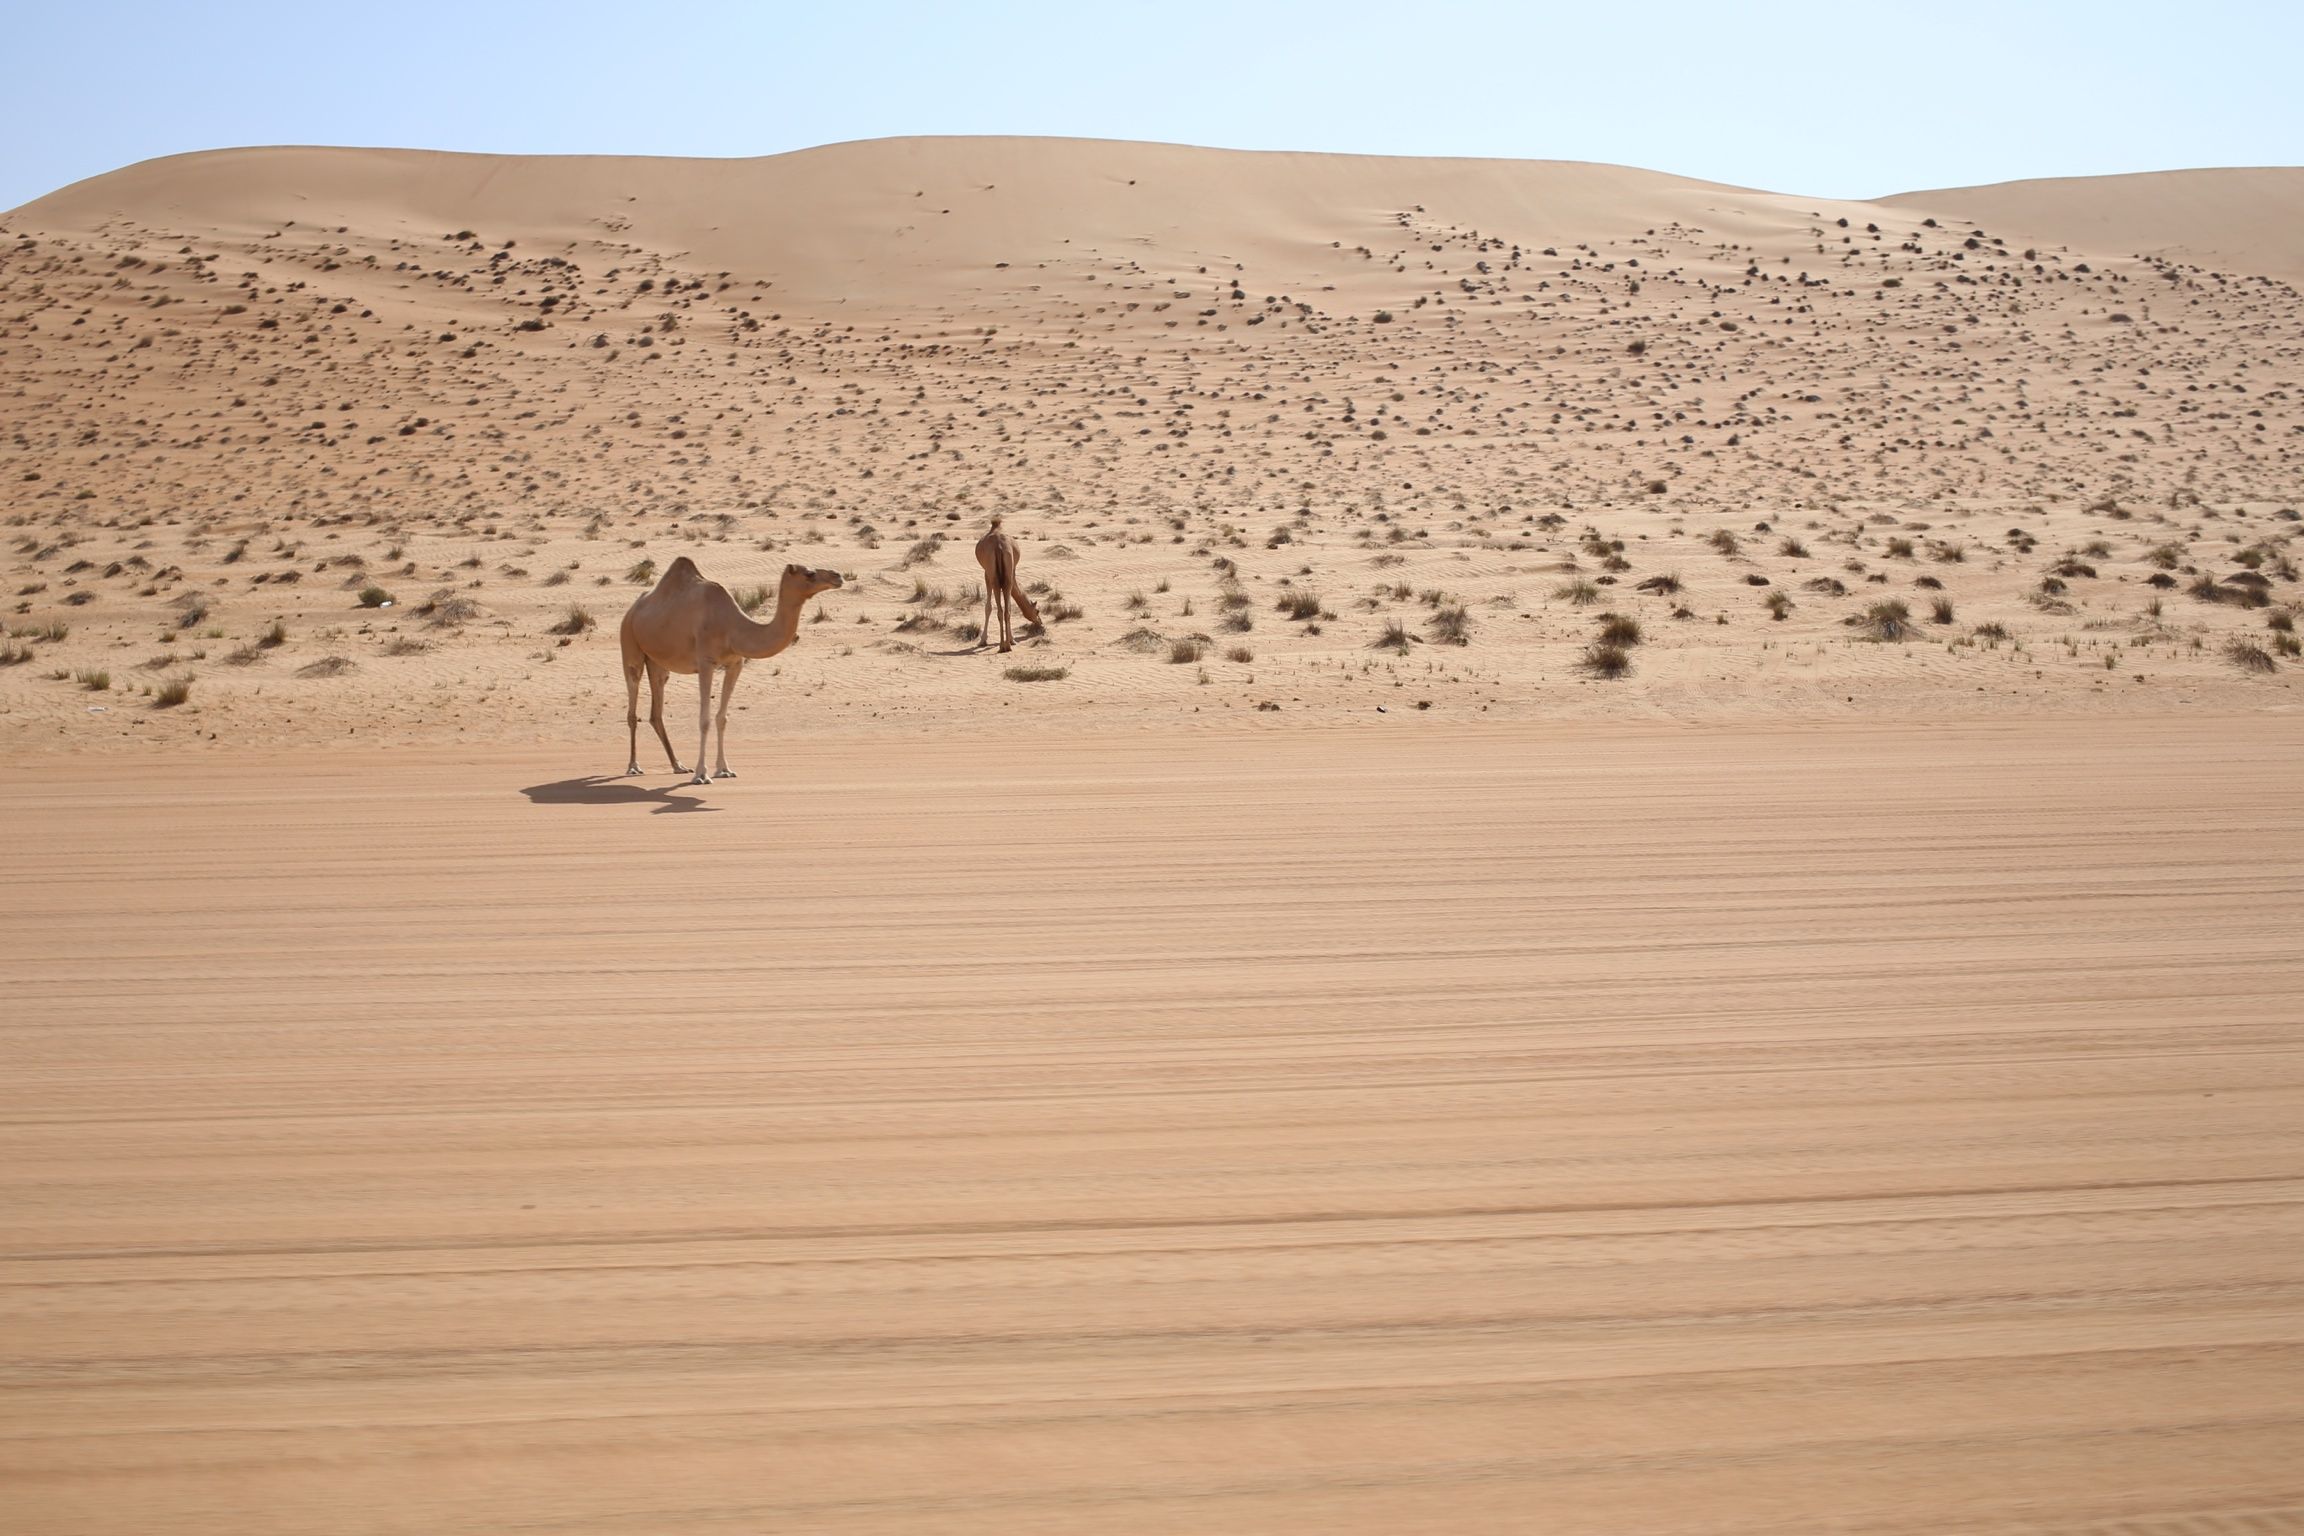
<point x="1033" y="639"/>
<point x="600" y="789"/>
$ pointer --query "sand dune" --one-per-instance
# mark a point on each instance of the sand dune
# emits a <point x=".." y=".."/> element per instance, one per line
<point x="2251" y="218"/>
<point x="906" y="216"/>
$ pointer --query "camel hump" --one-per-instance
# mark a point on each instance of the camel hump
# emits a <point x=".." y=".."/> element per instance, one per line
<point x="680" y="573"/>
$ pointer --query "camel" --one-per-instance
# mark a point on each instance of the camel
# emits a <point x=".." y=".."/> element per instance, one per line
<point x="686" y="624"/>
<point x="996" y="552"/>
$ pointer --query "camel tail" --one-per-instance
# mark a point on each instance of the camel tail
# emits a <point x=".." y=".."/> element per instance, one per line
<point x="995" y="520"/>
<point x="1003" y="567"/>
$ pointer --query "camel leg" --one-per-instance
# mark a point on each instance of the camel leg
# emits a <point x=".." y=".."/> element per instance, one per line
<point x="728" y="677"/>
<point x="703" y="719"/>
<point x="656" y="676"/>
<point x="984" y="633"/>
<point x="632" y="717"/>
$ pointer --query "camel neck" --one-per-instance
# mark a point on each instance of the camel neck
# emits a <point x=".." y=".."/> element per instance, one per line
<point x="757" y="640"/>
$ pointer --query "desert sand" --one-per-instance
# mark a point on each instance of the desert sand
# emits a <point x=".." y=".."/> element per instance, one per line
<point x="1644" y="879"/>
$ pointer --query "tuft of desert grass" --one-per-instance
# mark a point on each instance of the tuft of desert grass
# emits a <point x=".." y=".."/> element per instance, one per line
<point x="1450" y="625"/>
<point x="1884" y="621"/>
<point x="326" y="666"/>
<point x="173" y="692"/>
<point x="1940" y="611"/>
<point x="1581" y="594"/>
<point x="1617" y="629"/>
<point x="1603" y="660"/>
<point x="375" y="597"/>
<point x="2248" y="656"/>
<point x="579" y="619"/>
<point x="94" y="679"/>
<point x="447" y="608"/>
<point x="1037" y="674"/>
<point x="2209" y="590"/>
<point x="1184" y="652"/>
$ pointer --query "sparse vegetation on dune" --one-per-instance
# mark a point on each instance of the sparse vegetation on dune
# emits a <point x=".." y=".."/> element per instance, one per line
<point x="1265" y="443"/>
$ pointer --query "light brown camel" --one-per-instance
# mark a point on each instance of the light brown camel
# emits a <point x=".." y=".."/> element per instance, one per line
<point x="686" y="624"/>
<point x="996" y="552"/>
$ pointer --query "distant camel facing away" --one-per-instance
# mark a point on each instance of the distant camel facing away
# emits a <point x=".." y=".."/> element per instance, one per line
<point x="996" y="552"/>
<point x="686" y="624"/>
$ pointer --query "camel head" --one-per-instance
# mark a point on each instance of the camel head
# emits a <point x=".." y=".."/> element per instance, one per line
<point x="800" y="584"/>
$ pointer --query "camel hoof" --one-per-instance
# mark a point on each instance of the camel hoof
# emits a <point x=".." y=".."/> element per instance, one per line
<point x="724" y="773"/>
<point x="699" y="779"/>
<point x="632" y="772"/>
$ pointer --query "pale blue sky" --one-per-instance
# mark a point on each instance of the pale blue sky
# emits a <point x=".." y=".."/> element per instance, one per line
<point x="1849" y="99"/>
